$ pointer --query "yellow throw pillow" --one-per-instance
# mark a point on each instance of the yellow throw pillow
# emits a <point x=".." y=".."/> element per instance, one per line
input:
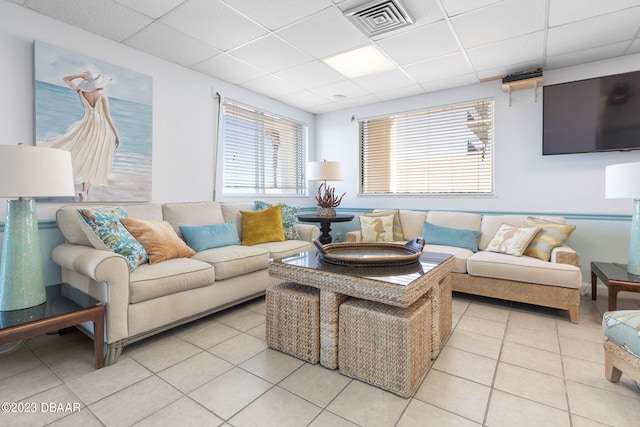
<point x="397" y="225"/>
<point x="159" y="239"/>
<point x="263" y="226"/>
<point x="550" y="236"/>
<point x="512" y="240"/>
<point x="376" y="228"/>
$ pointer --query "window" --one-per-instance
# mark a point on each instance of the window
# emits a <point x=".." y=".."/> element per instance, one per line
<point x="445" y="150"/>
<point x="262" y="153"/>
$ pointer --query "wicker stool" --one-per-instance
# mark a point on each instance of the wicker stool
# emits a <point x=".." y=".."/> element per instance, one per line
<point x="389" y="347"/>
<point x="441" y="312"/>
<point x="293" y="320"/>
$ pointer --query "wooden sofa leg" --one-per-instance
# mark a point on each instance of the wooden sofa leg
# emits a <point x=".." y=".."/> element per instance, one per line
<point x="612" y="373"/>
<point x="574" y="313"/>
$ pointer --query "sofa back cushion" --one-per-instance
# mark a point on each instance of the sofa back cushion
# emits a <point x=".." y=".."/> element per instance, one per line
<point x="458" y="220"/>
<point x="412" y="223"/>
<point x="491" y="224"/>
<point x="191" y="213"/>
<point x="68" y="219"/>
<point x="231" y="212"/>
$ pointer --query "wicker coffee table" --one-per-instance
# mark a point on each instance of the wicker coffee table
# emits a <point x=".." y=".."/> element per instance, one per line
<point x="396" y="286"/>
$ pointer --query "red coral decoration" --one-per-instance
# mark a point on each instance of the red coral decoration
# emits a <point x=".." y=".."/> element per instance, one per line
<point x="328" y="199"/>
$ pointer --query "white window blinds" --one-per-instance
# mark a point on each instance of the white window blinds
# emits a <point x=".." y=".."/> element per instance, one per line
<point x="262" y="153"/>
<point x="445" y="150"/>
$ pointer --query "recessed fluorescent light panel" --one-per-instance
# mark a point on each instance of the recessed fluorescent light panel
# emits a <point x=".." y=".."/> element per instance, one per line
<point x="360" y="62"/>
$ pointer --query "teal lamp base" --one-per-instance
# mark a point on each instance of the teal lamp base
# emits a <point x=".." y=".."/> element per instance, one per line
<point x="634" y="241"/>
<point x="21" y="278"/>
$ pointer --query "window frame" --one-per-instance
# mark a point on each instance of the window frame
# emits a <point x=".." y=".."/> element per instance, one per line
<point x="424" y="194"/>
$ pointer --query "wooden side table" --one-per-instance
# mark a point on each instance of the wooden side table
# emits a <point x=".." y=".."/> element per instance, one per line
<point x="615" y="277"/>
<point x="325" y="224"/>
<point x="58" y="312"/>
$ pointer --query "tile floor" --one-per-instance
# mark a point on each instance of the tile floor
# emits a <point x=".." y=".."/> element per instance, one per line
<point x="505" y="364"/>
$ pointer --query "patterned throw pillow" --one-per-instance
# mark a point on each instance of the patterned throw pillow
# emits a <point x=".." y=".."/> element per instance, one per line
<point x="397" y="225"/>
<point x="550" y="236"/>
<point x="289" y="218"/>
<point x="376" y="228"/>
<point x="159" y="239"/>
<point x="512" y="240"/>
<point x="105" y="231"/>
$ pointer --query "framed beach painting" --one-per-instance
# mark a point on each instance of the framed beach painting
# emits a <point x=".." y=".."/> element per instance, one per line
<point x="102" y="114"/>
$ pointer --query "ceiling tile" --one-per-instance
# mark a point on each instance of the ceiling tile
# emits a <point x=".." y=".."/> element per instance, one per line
<point x="271" y="86"/>
<point x="324" y="34"/>
<point x="434" y="40"/>
<point x="565" y="11"/>
<point x="153" y="8"/>
<point x="400" y="93"/>
<point x="275" y="14"/>
<point x="587" y="55"/>
<point x="448" y="83"/>
<point x="580" y="35"/>
<point x="498" y="72"/>
<point x="456" y="7"/>
<point x="421" y="11"/>
<point x="516" y="50"/>
<point x="227" y="68"/>
<point x="499" y="21"/>
<point x="336" y="91"/>
<point x="271" y="54"/>
<point x="354" y="102"/>
<point x="310" y="75"/>
<point x="303" y="99"/>
<point x="90" y="15"/>
<point x="160" y="40"/>
<point x="439" y="68"/>
<point x="213" y="22"/>
<point x="325" y="108"/>
<point x="387" y="80"/>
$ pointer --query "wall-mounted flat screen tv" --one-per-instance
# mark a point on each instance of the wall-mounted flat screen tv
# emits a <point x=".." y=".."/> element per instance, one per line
<point x="601" y="114"/>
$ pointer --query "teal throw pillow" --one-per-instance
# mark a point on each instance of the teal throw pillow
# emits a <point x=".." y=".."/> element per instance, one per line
<point x="289" y="218"/>
<point x="202" y="237"/>
<point x="104" y="230"/>
<point x="436" y="235"/>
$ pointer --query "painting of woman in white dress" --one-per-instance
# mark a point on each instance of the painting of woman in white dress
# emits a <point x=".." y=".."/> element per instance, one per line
<point x="100" y="118"/>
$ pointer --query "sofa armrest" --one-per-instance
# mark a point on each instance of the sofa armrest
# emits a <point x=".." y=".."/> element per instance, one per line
<point x="354" y="236"/>
<point x="103" y="275"/>
<point x="308" y="232"/>
<point x="565" y="255"/>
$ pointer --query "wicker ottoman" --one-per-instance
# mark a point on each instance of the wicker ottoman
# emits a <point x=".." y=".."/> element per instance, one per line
<point x="389" y="347"/>
<point x="441" y="312"/>
<point x="293" y="320"/>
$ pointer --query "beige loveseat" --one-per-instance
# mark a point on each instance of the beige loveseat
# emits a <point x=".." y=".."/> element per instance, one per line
<point x="153" y="298"/>
<point x="555" y="283"/>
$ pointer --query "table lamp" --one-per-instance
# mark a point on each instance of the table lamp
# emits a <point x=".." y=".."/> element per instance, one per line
<point x="27" y="172"/>
<point x="326" y="197"/>
<point x="623" y="182"/>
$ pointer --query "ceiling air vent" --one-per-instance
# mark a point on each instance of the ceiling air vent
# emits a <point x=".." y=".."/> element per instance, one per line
<point x="377" y="17"/>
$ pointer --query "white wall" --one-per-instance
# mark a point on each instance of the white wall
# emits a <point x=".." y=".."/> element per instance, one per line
<point x="525" y="181"/>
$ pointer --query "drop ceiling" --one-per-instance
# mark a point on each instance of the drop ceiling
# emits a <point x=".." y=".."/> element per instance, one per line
<point x="276" y="47"/>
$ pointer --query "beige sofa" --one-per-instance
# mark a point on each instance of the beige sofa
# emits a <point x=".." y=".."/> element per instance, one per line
<point x="153" y="298"/>
<point x="555" y="283"/>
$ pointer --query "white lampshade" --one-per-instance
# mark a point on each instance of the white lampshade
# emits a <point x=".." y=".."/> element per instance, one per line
<point x="324" y="171"/>
<point x="28" y="171"/>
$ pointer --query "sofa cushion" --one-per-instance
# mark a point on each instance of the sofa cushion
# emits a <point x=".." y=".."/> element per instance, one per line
<point x="104" y="230"/>
<point x="622" y="327"/>
<point x="491" y="224"/>
<point x="232" y="261"/>
<point x="436" y="235"/>
<point x="289" y="218"/>
<point x="278" y="250"/>
<point x="523" y="269"/>
<point x="231" y="212"/>
<point x="201" y="237"/>
<point x="191" y="213"/>
<point x="461" y="255"/>
<point x="459" y="220"/>
<point x="512" y="240"/>
<point x="263" y="226"/>
<point x="550" y="236"/>
<point x="376" y="228"/>
<point x="398" y="235"/>
<point x="176" y="275"/>
<point x="412" y="223"/>
<point x="159" y="239"/>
